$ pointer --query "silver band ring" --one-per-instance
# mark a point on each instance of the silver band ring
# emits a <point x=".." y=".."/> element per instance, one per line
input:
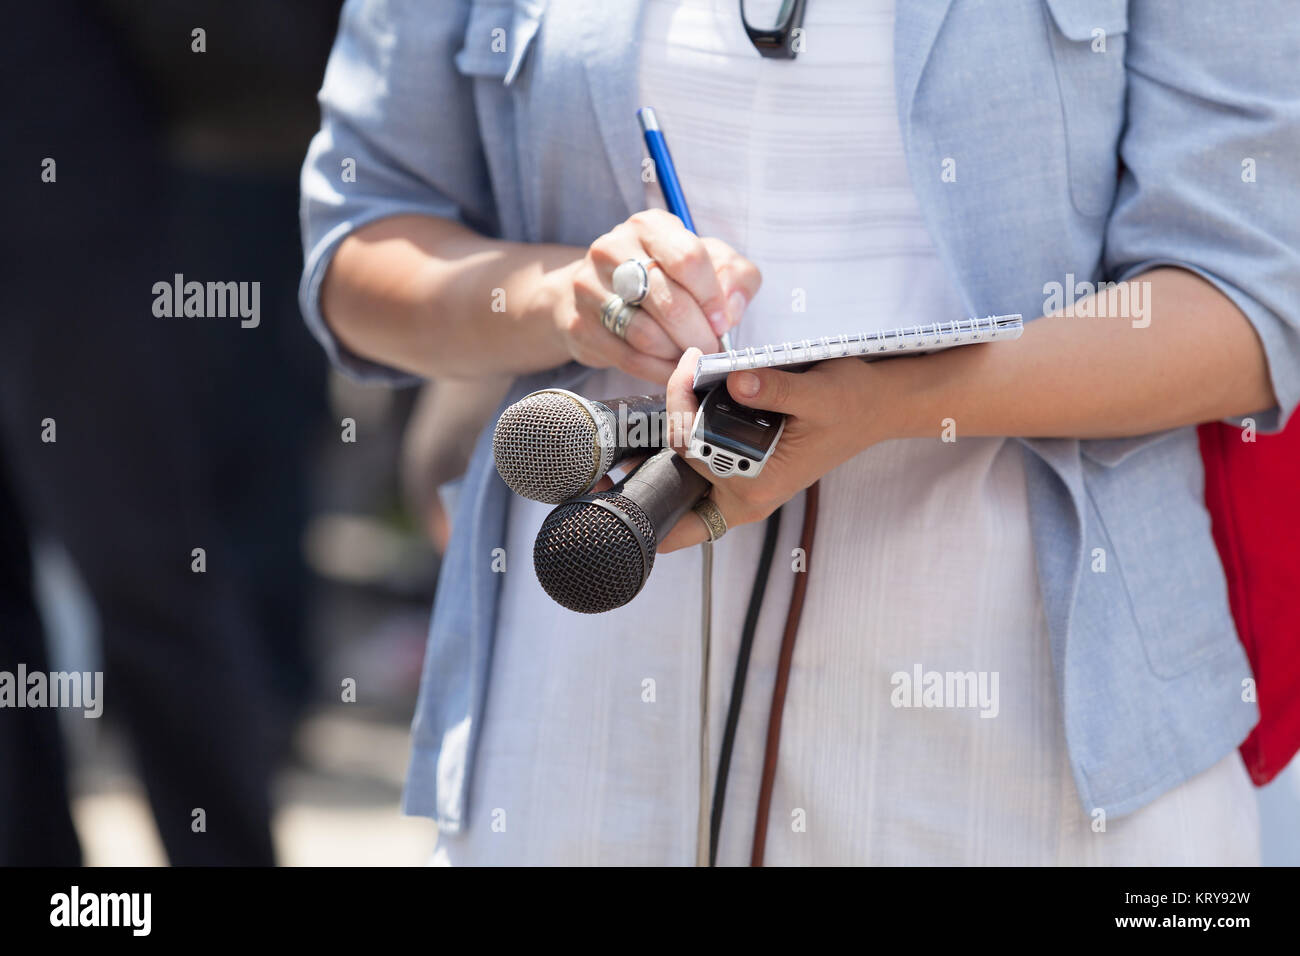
<point x="711" y="515"/>
<point x="616" y="315"/>
<point x="609" y="310"/>
<point x="632" y="280"/>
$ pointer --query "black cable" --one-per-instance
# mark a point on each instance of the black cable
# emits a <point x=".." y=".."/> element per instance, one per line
<point x="738" y="680"/>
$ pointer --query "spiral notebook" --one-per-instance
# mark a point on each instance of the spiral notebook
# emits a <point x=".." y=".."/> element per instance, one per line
<point x="869" y="346"/>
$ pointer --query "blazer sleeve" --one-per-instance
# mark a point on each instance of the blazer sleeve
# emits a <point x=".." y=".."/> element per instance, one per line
<point x="1211" y="155"/>
<point x="399" y="135"/>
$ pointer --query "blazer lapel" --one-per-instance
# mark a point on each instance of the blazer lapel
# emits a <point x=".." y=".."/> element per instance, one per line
<point x="916" y="25"/>
<point x="611" y="48"/>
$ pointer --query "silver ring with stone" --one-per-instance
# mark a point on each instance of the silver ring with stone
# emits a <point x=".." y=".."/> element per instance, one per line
<point x="632" y="280"/>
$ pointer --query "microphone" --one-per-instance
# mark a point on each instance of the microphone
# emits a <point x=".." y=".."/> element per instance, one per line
<point x="594" y="553"/>
<point x="554" y="444"/>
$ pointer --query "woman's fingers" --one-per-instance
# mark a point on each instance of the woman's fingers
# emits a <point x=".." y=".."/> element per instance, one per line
<point x="739" y="277"/>
<point x="643" y="333"/>
<point x="680" y="400"/>
<point x="697" y="289"/>
<point x="672" y="306"/>
<point x="639" y="365"/>
<point x="689" y="531"/>
<point x="680" y="397"/>
<point x="682" y="406"/>
<point x="680" y="276"/>
<point x="685" y="260"/>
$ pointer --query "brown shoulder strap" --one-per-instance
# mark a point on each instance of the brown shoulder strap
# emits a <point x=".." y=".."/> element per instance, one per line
<point x="806" y="536"/>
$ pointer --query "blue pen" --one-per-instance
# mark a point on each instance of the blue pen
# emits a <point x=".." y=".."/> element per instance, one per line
<point x="666" y="172"/>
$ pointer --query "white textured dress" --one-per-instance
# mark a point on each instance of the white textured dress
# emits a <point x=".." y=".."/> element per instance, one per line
<point x="923" y="559"/>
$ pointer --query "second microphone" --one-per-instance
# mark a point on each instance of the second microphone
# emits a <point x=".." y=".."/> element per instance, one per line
<point x="553" y="444"/>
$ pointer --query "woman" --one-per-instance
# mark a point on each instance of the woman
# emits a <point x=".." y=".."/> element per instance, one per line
<point x="479" y="175"/>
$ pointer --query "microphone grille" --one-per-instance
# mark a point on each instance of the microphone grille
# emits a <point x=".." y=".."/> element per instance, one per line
<point x="546" y="447"/>
<point x="590" y="560"/>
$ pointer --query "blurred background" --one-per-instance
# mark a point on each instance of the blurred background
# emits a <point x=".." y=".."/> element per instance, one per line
<point x="177" y="152"/>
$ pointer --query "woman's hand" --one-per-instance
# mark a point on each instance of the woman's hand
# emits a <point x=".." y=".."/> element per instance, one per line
<point x="832" y="413"/>
<point x="699" y="288"/>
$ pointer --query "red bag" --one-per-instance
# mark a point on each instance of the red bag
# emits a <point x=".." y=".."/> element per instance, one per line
<point x="1252" y="490"/>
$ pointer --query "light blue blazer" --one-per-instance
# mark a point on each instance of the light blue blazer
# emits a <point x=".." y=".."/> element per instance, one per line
<point x="518" y="120"/>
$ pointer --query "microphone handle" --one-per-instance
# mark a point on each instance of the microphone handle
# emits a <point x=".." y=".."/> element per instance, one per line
<point x="639" y="423"/>
<point x="665" y="487"/>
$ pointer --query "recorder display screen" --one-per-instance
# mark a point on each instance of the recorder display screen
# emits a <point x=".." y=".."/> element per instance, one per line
<point x="728" y="424"/>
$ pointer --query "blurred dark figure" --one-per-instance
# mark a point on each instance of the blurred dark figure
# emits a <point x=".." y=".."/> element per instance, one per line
<point x="172" y="433"/>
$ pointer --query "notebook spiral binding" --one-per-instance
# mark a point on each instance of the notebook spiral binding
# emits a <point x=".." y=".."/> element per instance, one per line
<point x="866" y="345"/>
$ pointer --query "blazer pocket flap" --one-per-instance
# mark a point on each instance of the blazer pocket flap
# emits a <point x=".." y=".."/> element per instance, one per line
<point x="1081" y="19"/>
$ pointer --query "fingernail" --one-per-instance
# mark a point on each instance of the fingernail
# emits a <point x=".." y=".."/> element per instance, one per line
<point x="719" y="322"/>
<point x="745" y="384"/>
<point x="736" y="307"/>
